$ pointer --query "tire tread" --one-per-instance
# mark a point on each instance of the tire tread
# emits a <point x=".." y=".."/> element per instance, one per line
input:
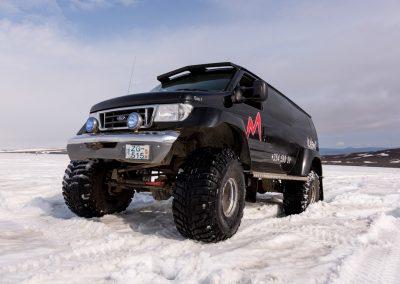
<point x="195" y="194"/>
<point x="81" y="195"/>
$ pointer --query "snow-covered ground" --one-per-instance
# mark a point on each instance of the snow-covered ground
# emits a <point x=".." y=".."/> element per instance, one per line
<point x="351" y="237"/>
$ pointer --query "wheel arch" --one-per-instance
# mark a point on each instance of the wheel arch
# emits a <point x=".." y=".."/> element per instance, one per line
<point x="307" y="159"/>
<point x="242" y="147"/>
<point x="223" y="135"/>
<point x="316" y="165"/>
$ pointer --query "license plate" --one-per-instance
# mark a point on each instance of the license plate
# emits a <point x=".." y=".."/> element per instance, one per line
<point x="137" y="152"/>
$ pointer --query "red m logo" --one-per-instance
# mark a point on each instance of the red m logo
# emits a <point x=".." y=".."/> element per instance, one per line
<point x="252" y="127"/>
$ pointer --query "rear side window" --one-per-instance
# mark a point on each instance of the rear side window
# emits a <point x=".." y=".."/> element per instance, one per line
<point x="312" y="126"/>
<point x="279" y="106"/>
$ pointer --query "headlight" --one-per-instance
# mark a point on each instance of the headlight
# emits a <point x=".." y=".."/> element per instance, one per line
<point x="92" y="125"/>
<point x="173" y="112"/>
<point x="134" y="121"/>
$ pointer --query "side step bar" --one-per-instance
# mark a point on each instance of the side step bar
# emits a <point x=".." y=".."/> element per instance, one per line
<point x="278" y="176"/>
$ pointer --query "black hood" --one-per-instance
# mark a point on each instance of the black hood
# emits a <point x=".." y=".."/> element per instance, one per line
<point x="150" y="98"/>
<point x="140" y="99"/>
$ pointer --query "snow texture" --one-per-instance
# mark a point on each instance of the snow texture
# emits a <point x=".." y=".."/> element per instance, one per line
<point x="351" y="237"/>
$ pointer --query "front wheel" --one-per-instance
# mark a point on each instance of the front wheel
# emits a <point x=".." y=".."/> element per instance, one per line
<point x="298" y="195"/>
<point x="209" y="195"/>
<point x="87" y="193"/>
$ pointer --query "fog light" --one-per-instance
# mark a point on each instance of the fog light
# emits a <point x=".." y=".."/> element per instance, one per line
<point x="92" y="125"/>
<point x="134" y="121"/>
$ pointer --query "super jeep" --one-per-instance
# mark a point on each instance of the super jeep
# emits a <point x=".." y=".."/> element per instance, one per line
<point x="211" y="136"/>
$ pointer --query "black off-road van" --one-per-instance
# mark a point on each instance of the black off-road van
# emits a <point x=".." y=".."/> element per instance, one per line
<point x="210" y="135"/>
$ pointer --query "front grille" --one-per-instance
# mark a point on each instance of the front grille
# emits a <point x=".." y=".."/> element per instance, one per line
<point x="115" y="119"/>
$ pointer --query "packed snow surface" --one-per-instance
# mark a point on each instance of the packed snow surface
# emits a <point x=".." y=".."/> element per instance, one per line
<point x="351" y="237"/>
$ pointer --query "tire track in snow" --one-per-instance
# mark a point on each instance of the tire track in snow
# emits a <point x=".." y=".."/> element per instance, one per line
<point x="377" y="257"/>
<point x="320" y="245"/>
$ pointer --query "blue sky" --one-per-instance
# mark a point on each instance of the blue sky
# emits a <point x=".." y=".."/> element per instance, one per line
<point x="337" y="59"/>
<point x="103" y="21"/>
<point x="104" y="18"/>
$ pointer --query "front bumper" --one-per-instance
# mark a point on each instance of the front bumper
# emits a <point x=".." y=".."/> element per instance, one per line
<point x="112" y="146"/>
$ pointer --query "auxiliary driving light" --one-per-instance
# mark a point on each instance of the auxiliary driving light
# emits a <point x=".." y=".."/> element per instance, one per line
<point x="134" y="121"/>
<point x="92" y="125"/>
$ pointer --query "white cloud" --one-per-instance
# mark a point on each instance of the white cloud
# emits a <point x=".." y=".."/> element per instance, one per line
<point x="52" y="7"/>
<point x="340" y="144"/>
<point x="8" y="7"/>
<point x="89" y="4"/>
<point x="29" y="7"/>
<point x="342" y="69"/>
<point x="96" y="4"/>
<point x="127" y="2"/>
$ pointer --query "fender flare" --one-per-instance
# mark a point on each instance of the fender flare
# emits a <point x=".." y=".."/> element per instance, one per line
<point x="239" y="129"/>
<point x="208" y="117"/>
<point x="306" y="160"/>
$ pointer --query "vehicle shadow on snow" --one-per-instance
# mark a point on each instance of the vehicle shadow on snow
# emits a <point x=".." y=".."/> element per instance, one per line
<point x="145" y="215"/>
<point x="150" y="217"/>
<point x="270" y="198"/>
<point x="53" y="206"/>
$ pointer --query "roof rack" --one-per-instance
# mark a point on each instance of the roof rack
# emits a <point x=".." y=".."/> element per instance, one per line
<point x="197" y="69"/>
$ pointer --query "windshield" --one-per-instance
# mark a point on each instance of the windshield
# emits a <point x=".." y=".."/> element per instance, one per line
<point x="210" y="81"/>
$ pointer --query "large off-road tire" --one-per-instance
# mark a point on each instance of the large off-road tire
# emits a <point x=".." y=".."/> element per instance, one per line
<point x="298" y="195"/>
<point x="86" y="193"/>
<point x="209" y="195"/>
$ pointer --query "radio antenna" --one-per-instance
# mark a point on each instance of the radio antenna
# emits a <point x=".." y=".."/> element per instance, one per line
<point x="130" y="79"/>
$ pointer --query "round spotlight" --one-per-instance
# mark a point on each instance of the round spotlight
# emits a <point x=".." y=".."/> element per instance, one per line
<point x="92" y="125"/>
<point x="134" y="121"/>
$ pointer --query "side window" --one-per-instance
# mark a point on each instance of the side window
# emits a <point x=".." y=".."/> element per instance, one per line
<point x="280" y="108"/>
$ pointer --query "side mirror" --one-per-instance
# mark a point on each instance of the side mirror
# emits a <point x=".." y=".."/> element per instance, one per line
<point x="260" y="91"/>
<point x="257" y="93"/>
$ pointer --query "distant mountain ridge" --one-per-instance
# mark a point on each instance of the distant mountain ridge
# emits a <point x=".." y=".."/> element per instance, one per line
<point x="37" y="151"/>
<point x="349" y="150"/>
<point x="383" y="158"/>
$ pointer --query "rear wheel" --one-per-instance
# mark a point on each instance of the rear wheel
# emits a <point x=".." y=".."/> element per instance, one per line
<point x="87" y="192"/>
<point x="298" y="195"/>
<point x="209" y="195"/>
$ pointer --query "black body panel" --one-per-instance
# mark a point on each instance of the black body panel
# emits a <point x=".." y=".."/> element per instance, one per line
<point x="281" y="137"/>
